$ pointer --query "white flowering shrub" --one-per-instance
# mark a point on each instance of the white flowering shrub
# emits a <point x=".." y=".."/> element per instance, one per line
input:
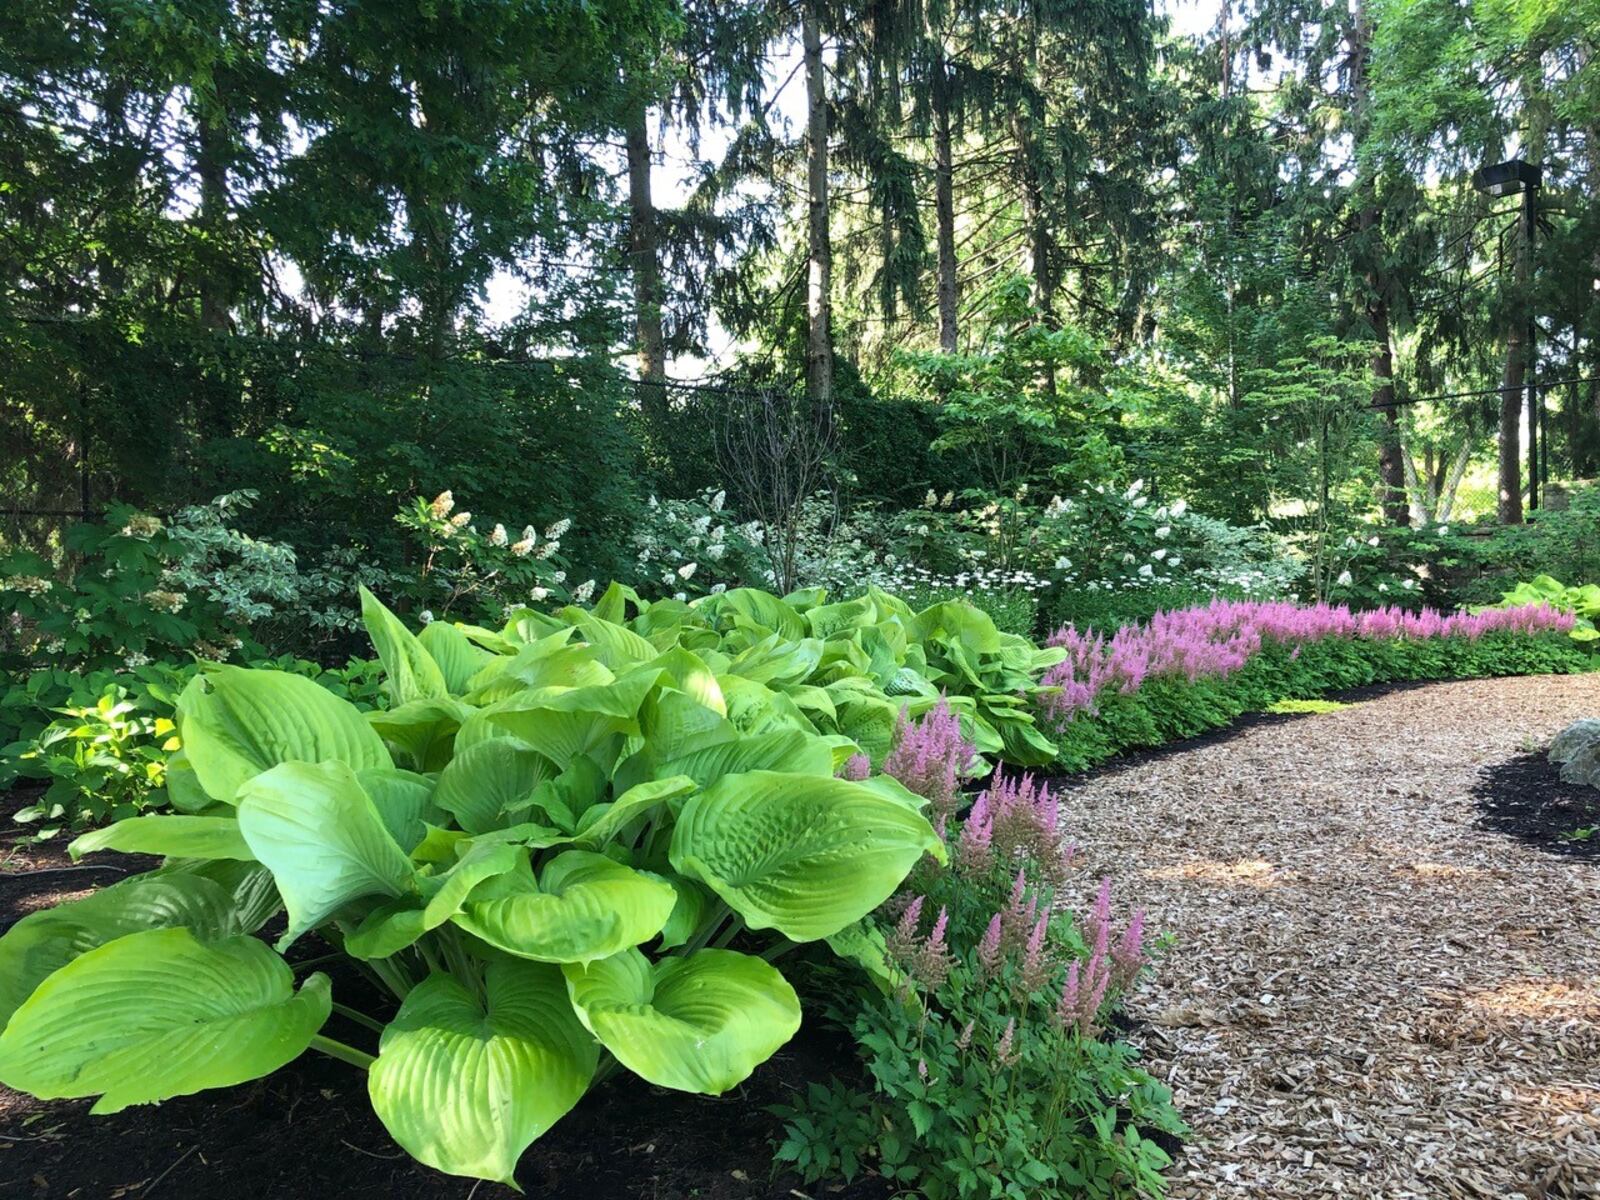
<point x="697" y="547"/>
<point x="470" y="572"/>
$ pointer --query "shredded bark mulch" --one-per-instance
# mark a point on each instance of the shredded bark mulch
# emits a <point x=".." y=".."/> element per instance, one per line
<point x="1370" y="993"/>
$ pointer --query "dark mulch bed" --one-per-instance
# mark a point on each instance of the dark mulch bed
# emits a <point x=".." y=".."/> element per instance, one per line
<point x="1525" y="798"/>
<point x="308" y="1130"/>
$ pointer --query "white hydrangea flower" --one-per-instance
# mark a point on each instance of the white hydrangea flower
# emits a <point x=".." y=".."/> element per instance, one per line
<point x="540" y="594"/>
<point x="1345" y="579"/>
<point x="1063" y="562"/>
<point x="1158" y="555"/>
<point x="426" y="616"/>
<point x="1179" y="507"/>
<point x="1146" y="571"/>
<point x="1127" y="559"/>
<point x="1373" y="540"/>
<point x="1140" y="501"/>
<point x="583" y="591"/>
<point x="718" y="588"/>
<point x="931" y="500"/>
<point x="1163" y="531"/>
<point x="686" y="572"/>
<point x="498" y="535"/>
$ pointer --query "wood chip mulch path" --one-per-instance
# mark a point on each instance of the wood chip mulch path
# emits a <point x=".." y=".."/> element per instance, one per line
<point x="1368" y="994"/>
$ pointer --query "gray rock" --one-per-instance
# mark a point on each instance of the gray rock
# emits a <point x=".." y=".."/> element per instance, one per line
<point x="1574" y="740"/>
<point x="1583" y="767"/>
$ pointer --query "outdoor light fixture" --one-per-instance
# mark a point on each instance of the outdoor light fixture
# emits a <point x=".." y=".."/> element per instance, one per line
<point x="1508" y="179"/>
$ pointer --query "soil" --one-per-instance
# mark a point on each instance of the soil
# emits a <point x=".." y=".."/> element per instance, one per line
<point x="308" y="1130"/>
<point x="1525" y="798"/>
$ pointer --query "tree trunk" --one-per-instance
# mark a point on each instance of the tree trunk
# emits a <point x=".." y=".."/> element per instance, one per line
<point x="819" y="282"/>
<point x="944" y="207"/>
<point x="1510" y="508"/>
<point x="652" y="346"/>
<point x="1391" y="471"/>
<point x="211" y="166"/>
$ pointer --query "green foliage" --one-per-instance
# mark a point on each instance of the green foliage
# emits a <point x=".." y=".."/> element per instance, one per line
<point x="105" y="761"/>
<point x="497" y="848"/>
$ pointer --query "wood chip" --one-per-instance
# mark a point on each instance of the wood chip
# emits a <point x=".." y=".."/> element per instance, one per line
<point x="1368" y="996"/>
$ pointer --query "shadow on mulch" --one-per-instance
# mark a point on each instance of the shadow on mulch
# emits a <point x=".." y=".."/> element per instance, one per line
<point x="1524" y="798"/>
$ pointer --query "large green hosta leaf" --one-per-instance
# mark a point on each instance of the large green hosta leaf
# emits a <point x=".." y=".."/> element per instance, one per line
<point x="562" y="723"/>
<point x="491" y="779"/>
<point x="459" y="660"/>
<point x="602" y="822"/>
<point x="168" y="834"/>
<point x="412" y="673"/>
<point x="396" y="924"/>
<point x="585" y="906"/>
<point x="325" y="842"/>
<point x="697" y="1023"/>
<point x="423" y="730"/>
<point x="804" y="855"/>
<point x="237" y="723"/>
<point x="788" y="750"/>
<point x="159" y="1014"/>
<point x="44" y="942"/>
<point x="466" y="1087"/>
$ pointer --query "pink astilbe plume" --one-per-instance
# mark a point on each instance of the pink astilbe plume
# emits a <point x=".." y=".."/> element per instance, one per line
<point x="1035" y="969"/>
<point x="990" y="953"/>
<point x="931" y="757"/>
<point x="1003" y="1052"/>
<point x="1014" y="820"/>
<point x="856" y="768"/>
<point x="1127" y="956"/>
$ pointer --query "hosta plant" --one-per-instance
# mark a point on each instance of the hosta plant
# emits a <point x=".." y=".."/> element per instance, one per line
<point x="545" y="850"/>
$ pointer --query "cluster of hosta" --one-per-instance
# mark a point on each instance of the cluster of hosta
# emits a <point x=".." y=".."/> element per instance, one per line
<point x="851" y="667"/>
<point x="543" y="848"/>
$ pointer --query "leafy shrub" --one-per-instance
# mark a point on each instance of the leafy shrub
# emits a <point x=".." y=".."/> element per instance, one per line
<point x="990" y="1074"/>
<point x="105" y="761"/>
<point x="496" y="848"/>
<point x="481" y="576"/>
<point x="695" y="547"/>
<point x="102" y="739"/>
<point x="120" y="603"/>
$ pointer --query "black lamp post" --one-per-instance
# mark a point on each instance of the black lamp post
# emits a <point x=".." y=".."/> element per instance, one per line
<point x="1508" y="179"/>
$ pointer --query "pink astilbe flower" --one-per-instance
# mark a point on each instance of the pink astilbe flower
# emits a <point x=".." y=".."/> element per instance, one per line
<point x="856" y="768"/>
<point x="1003" y="1052"/>
<point x="1127" y="956"/>
<point x="1035" y="970"/>
<point x="965" y="1040"/>
<point x="990" y="953"/>
<point x="1097" y="924"/>
<point x="1014" y="820"/>
<point x="931" y="757"/>
<point x="941" y="925"/>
